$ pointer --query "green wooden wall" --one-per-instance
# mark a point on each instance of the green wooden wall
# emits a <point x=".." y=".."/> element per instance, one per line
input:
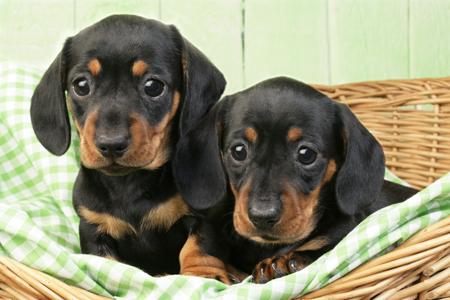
<point x="316" y="41"/>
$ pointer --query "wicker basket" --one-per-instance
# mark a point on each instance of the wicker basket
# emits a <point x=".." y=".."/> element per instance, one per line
<point x="411" y="119"/>
<point x="403" y="273"/>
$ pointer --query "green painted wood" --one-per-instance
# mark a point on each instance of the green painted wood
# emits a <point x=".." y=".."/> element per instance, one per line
<point x="286" y="37"/>
<point x="429" y="38"/>
<point x="88" y="12"/>
<point x="215" y="28"/>
<point x="368" y="40"/>
<point x="317" y="41"/>
<point x="32" y="33"/>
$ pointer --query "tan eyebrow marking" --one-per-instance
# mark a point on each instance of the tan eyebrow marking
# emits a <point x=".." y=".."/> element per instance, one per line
<point x="294" y="134"/>
<point x="94" y="67"/>
<point x="251" y="135"/>
<point x="139" y="68"/>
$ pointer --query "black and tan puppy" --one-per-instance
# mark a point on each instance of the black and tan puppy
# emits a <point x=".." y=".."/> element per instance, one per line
<point x="284" y="173"/>
<point x="134" y="86"/>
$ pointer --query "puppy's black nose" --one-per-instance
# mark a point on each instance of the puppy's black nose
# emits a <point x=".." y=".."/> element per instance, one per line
<point x="112" y="146"/>
<point x="264" y="214"/>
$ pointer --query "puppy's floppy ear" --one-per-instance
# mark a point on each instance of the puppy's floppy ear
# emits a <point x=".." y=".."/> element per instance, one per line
<point x="361" y="176"/>
<point x="48" y="110"/>
<point x="197" y="163"/>
<point x="204" y="84"/>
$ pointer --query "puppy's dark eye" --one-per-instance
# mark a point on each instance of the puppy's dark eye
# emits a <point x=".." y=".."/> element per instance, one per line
<point x="239" y="152"/>
<point x="306" y="156"/>
<point x="81" y="87"/>
<point x="153" y="88"/>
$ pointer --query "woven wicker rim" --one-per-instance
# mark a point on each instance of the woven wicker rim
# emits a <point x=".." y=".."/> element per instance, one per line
<point x="18" y="281"/>
<point x="418" y="269"/>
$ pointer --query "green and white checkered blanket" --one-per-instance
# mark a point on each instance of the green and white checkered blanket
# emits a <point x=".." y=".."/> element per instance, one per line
<point x="39" y="227"/>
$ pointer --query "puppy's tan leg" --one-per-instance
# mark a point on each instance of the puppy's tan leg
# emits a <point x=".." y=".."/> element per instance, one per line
<point x="284" y="264"/>
<point x="195" y="262"/>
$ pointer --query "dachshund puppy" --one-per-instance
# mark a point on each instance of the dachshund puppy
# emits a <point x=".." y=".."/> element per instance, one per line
<point x="134" y="86"/>
<point x="283" y="173"/>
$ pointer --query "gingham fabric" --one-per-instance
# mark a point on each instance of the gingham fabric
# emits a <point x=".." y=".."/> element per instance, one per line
<point x="39" y="227"/>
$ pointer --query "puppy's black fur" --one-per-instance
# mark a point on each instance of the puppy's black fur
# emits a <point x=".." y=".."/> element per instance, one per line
<point x="134" y="86"/>
<point x="284" y="173"/>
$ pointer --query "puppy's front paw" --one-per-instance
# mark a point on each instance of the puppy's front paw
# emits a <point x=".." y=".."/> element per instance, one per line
<point x="279" y="266"/>
<point x="213" y="273"/>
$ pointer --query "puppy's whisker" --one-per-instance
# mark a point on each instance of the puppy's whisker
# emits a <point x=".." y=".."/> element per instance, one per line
<point x="226" y="215"/>
<point x="226" y="225"/>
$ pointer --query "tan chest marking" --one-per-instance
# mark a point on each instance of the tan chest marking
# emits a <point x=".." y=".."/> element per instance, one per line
<point x="107" y="224"/>
<point x="165" y="215"/>
<point x="314" y="244"/>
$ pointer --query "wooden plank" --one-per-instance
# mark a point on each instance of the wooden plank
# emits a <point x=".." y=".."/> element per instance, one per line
<point x="429" y="38"/>
<point x="89" y="12"/>
<point x="315" y="41"/>
<point x="32" y="33"/>
<point x="368" y="40"/>
<point x="286" y="37"/>
<point x="215" y="28"/>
